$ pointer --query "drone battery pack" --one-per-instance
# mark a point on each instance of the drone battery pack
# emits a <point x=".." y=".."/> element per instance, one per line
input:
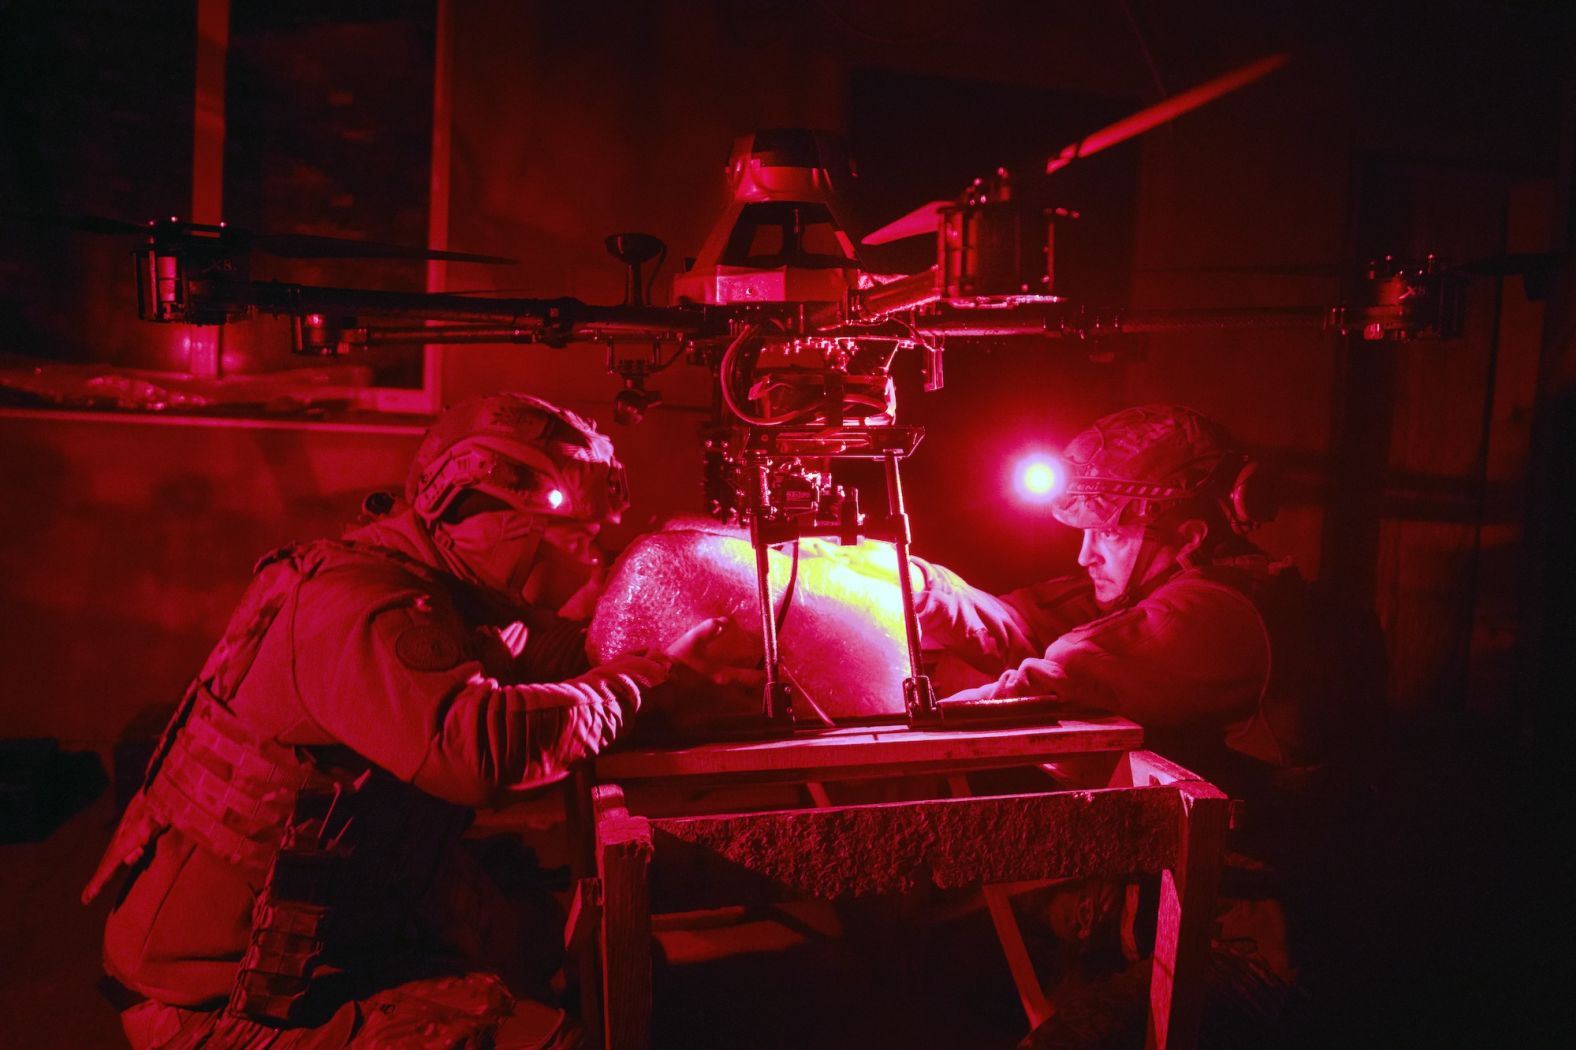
<point x="1000" y="252"/>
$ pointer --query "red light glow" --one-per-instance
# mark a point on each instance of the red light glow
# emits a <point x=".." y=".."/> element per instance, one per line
<point x="1036" y="478"/>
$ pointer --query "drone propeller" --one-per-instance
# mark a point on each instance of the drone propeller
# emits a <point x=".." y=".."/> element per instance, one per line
<point x="1255" y="269"/>
<point x="1532" y="265"/>
<point x="1512" y="264"/>
<point x="923" y="219"/>
<point x="307" y="246"/>
<point x="81" y="223"/>
<point x="1165" y="110"/>
<point x="281" y="245"/>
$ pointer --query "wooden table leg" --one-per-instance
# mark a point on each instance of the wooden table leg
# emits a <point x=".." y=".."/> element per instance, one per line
<point x="623" y="867"/>
<point x="1186" y="921"/>
<point x="998" y="901"/>
<point x="582" y="932"/>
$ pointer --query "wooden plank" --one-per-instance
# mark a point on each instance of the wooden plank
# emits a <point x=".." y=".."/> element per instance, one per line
<point x="1086" y="771"/>
<point x="585" y="916"/>
<point x="838" y="753"/>
<point x="1186" y="919"/>
<point x="623" y="860"/>
<point x="1129" y="934"/>
<point x="1036" y="1007"/>
<point x="758" y="858"/>
<point x="817" y="792"/>
<point x="844" y="773"/>
<point x="607" y="800"/>
<point x="582" y="945"/>
<point x="998" y="902"/>
<point x="578" y="821"/>
<point x="583" y="938"/>
<point x="1145" y="768"/>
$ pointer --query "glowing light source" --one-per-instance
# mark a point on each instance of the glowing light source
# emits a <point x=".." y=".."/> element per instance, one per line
<point x="1037" y="478"/>
<point x="555" y="499"/>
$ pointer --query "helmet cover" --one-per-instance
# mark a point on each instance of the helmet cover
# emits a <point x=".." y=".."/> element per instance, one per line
<point x="1133" y="465"/>
<point x="529" y="453"/>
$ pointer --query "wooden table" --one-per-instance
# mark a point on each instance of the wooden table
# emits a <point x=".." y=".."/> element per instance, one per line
<point x="1127" y="811"/>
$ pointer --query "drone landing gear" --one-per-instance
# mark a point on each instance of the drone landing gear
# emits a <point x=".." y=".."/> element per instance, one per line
<point x="919" y="696"/>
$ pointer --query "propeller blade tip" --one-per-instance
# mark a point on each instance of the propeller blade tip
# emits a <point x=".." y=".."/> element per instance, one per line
<point x="922" y="220"/>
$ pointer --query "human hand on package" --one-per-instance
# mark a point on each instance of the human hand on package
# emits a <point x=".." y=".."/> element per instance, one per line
<point x="715" y="679"/>
<point x="720" y="652"/>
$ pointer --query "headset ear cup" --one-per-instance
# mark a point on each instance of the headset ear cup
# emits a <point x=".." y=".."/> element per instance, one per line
<point x="1254" y="497"/>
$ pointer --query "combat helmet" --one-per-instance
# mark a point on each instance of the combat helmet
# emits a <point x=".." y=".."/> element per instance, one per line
<point x="530" y="454"/>
<point x="1135" y="466"/>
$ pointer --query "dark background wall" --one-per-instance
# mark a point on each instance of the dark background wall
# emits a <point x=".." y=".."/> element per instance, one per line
<point x="1397" y="128"/>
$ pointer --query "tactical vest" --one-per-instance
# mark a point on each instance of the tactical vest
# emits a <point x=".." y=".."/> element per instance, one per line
<point x="341" y="848"/>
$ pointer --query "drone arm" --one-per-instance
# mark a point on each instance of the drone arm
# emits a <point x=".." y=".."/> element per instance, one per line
<point x="905" y="293"/>
<point x="324" y="314"/>
<point x="543" y="314"/>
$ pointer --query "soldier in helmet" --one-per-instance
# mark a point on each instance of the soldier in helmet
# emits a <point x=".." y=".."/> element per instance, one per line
<point x="292" y="870"/>
<point x="1177" y="621"/>
<point x="1234" y="665"/>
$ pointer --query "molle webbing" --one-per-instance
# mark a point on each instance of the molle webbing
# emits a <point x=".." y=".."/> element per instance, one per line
<point x="294" y="919"/>
<point x="229" y="792"/>
<point x="352" y="864"/>
<point x="194" y="798"/>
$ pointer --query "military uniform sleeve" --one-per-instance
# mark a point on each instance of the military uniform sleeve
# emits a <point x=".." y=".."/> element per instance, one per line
<point x="992" y="632"/>
<point x="980" y="629"/>
<point x="555" y="649"/>
<point x="1049" y="610"/>
<point x="1192" y="654"/>
<point x="389" y="671"/>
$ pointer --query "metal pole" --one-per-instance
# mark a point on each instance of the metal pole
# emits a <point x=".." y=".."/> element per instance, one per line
<point x="777" y="696"/>
<point x="919" y="697"/>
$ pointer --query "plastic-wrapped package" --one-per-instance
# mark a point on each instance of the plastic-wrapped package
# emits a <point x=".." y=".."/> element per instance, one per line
<point x="841" y="639"/>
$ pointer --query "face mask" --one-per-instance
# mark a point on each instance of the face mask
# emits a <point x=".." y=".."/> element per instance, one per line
<point x="567" y="562"/>
<point x="495" y="549"/>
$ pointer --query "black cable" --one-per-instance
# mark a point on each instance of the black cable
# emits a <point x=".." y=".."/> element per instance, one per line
<point x="1143" y="47"/>
<point x="665" y="365"/>
<point x="788" y="591"/>
<point x="781" y="616"/>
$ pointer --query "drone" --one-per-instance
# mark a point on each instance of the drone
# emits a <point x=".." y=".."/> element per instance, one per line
<point x="800" y="337"/>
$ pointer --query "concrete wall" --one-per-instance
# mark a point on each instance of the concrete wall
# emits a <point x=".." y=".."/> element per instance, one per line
<point x="127" y="542"/>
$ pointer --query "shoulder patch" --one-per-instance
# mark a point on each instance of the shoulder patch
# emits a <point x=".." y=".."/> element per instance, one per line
<point x="423" y="648"/>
